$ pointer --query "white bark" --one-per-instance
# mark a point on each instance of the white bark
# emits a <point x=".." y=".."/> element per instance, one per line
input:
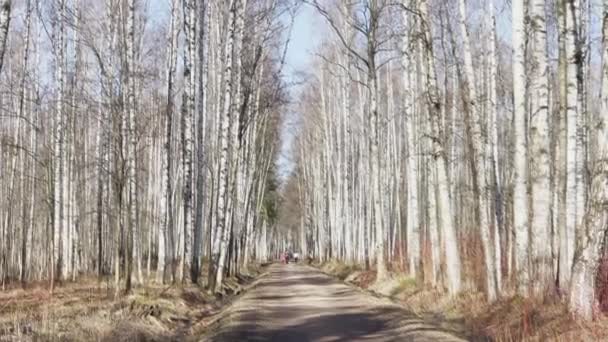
<point x="58" y="146"/>
<point x="479" y="157"/>
<point x="188" y="130"/>
<point x="583" y="300"/>
<point x="493" y="145"/>
<point x="166" y="210"/>
<point x="432" y="227"/>
<point x="201" y="164"/>
<point x="372" y="83"/>
<point x="579" y="20"/>
<point x="5" y="19"/>
<point x="24" y="229"/>
<point x="520" y="197"/>
<point x="564" y="266"/>
<point x="132" y="142"/>
<point x="444" y="205"/>
<point x="221" y="236"/>
<point x="572" y="153"/>
<point x="412" y="224"/>
<point x="540" y="161"/>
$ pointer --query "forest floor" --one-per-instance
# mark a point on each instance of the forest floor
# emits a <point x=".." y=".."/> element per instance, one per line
<point x="469" y="314"/>
<point x="88" y="311"/>
<point x="299" y="303"/>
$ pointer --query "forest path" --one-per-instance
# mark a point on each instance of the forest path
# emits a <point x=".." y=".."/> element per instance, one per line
<point x="298" y="303"/>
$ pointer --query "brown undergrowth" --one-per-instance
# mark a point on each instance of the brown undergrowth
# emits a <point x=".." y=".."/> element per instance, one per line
<point x="509" y="319"/>
<point x="88" y="311"/>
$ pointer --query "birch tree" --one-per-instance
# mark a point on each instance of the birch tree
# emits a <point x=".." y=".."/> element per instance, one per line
<point x="5" y="19"/>
<point x="202" y="113"/>
<point x="25" y="233"/>
<point x="572" y="153"/>
<point x="58" y="219"/>
<point x="221" y="235"/>
<point x="165" y="232"/>
<point x="495" y="187"/>
<point x="413" y="238"/>
<point x="582" y="299"/>
<point x="449" y="241"/>
<point x="479" y="153"/>
<point x="561" y="170"/>
<point x="540" y="163"/>
<point x="520" y="198"/>
<point x="132" y="142"/>
<point x="187" y="128"/>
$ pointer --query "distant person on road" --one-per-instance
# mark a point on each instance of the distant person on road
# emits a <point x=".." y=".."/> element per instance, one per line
<point x="296" y="256"/>
<point x="285" y="257"/>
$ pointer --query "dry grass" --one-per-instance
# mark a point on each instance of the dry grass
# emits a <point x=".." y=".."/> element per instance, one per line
<point x="510" y="319"/>
<point x="87" y="311"/>
<point x="339" y="270"/>
<point x="516" y="319"/>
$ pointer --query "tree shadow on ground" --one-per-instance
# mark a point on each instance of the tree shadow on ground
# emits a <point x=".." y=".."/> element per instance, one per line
<point x="375" y="325"/>
<point x="300" y="305"/>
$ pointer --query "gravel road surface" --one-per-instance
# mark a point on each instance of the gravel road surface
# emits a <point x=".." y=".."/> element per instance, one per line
<point x="294" y="303"/>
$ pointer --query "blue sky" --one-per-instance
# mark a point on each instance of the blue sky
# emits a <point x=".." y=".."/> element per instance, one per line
<point x="303" y="41"/>
<point x="305" y="37"/>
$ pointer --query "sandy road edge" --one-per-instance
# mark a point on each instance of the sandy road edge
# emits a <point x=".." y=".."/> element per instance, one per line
<point x="384" y="299"/>
<point x="371" y="294"/>
<point x="203" y="327"/>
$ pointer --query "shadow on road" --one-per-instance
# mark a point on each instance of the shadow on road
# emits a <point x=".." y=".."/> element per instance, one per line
<point x="299" y="304"/>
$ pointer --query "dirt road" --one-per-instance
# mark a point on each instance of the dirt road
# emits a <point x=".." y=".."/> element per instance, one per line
<point x="295" y="303"/>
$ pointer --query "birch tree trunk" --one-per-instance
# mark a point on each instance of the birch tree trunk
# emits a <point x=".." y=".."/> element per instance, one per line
<point x="479" y="149"/>
<point x="493" y="145"/>
<point x="5" y="19"/>
<point x="444" y="205"/>
<point x="58" y="146"/>
<point x="222" y="233"/>
<point x="520" y="197"/>
<point x="579" y="14"/>
<point x="166" y="208"/>
<point x="583" y="300"/>
<point x="571" y="142"/>
<point x="540" y="161"/>
<point x="382" y="271"/>
<point x="188" y="108"/>
<point x="412" y="224"/>
<point x="561" y="171"/>
<point x="201" y="164"/>
<point x="102" y="165"/>
<point x="28" y="23"/>
<point x="432" y="227"/>
<point x="132" y="142"/>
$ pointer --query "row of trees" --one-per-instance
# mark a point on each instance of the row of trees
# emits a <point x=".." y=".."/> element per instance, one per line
<point x="471" y="164"/>
<point x="133" y="142"/>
